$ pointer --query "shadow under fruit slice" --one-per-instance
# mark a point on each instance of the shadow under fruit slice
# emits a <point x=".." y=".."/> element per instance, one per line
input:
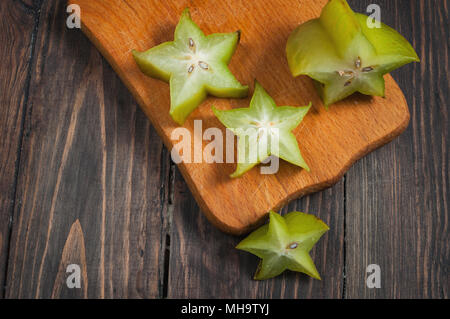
<point x="194" y="65"/>
<point x="263" y="130"/>
<point x="344" y="55"/>
<point x="285" y="243"/>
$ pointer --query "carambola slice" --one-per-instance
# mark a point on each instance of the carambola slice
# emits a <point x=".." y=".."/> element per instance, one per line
<point x="285" y="243"/>
<point x="263" y="130"/>
<point x="344" y="55"/>
<point x="195" y="65"/>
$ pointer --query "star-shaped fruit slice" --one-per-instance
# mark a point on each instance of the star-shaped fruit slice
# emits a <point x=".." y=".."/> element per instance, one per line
<point x="263" y="129"/>
<point x="195" y="65"/>
<point x="285" y="243"/>
<point x="346" y="53"/>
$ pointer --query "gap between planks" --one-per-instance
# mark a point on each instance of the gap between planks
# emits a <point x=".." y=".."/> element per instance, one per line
<point x="167" y="185"/>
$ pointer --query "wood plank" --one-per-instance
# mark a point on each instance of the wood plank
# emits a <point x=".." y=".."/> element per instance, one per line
<point x="90" y="157"/>
<point x="397" y="198"/>
<point x="205" y="264"/>
<point x="348" y="131"/>
<point x="17" y="24"/>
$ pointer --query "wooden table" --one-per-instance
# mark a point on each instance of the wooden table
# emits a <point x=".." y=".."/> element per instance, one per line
<point x="84" y="179"/>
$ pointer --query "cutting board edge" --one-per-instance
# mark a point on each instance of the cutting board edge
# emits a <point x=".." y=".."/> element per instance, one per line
<point x="242" y="229"/>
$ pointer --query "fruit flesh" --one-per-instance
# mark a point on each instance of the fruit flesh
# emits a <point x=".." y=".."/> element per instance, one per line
<point x="263" y="130"/>
<point x="344" y="55"/>
<point x="194" y="65"/>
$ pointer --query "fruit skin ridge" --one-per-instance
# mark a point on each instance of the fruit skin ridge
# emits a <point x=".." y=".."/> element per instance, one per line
<point x="195" y="65"/>
<point x="343" y="55"/>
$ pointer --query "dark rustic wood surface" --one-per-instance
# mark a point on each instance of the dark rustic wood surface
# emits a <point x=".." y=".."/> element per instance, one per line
<point x="85" y="179"/>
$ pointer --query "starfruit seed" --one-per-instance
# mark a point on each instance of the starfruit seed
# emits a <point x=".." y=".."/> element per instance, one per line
<point x="203" y="65"/>
<point x="346" y="73"/>
<point x="293" y="245"/>
<point x="358" y="63"/>
<point x="367" y="69"/>
<point x="192" y="44"/>
<point x="191" y="68"/>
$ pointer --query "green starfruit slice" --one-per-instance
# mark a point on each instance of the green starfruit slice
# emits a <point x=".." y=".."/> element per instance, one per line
<point x="344" y="55"/>
<point x="194" y="65"/>
<point x="285" y="243"/>
<point x="263" y="129"/>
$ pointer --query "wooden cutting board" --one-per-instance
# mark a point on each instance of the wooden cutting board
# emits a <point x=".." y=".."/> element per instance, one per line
<point x="330" y="141"/>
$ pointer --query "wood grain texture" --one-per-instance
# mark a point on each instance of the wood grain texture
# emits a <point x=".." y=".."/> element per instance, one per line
<point x="391" y="208"/>
<point x="397" y="198"/>
<point x="79" y="163"/>
<point x="16" y="28"/>
<point x="330" y="141"/>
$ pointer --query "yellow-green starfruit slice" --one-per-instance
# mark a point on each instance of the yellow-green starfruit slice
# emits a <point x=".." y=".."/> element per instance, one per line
<point x="263" y="129"/>
<point x="194" y="65"/>
<point x="285" y="243"/>
<point x="344" y="55"/>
